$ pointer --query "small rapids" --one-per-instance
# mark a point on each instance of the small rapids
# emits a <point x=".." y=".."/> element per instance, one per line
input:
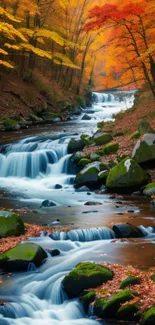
<point x="84" y="235"/>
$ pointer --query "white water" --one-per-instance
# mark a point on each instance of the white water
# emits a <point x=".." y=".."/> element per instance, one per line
<point x="84" y="235"/>
<point x="107" y="104"/>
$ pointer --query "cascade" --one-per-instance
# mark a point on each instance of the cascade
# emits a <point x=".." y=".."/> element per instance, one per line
<point x="84" y="235"/>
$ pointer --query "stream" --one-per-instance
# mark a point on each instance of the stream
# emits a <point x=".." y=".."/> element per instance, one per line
<point x="31" y="169"/>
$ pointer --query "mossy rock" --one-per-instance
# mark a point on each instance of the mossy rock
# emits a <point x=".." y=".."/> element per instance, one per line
<point x="110" y="148"/>
<point x="87" y="298"/>
<point x="103" y="176"/>
<point x="149" y="189"/>
<point x="86" y="139"/>
<point x="89" y="175"/>
<point x="126" y="175"/>
<point x="108" y="307"/>
<point x="149" y="317"/>
<point x="77" y="157"/>
<point x="135" y="135"/>
<point x="19" y="257"/>
<point x="129" y="281"/>
<point x="75" y="145"/>
<point x="10" y="122"/>
<point x="129" y="312"/>
<point x="144" y="127"/>
<point x="10" y="224"/>
<point x="101" y="138"/>
<point x="84" y="162"/>
<point x="86" y="275"/>
<point x="152" y="203"/>
<point x="144" y="150"/>
<point x="153" y="277"/>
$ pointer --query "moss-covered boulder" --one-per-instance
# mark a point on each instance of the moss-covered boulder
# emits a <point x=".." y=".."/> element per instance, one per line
<point x="87" y="298"/>
<point x="109" y="148"/>
<point x="101" y="138"/>
<point x="75" y="145"/>
<point x="86" y="275"/>
<point x="153" y="277"/>
<point x="144" y="150"/>
<point x="19" y="257"/>
<point x="149" y="317"/>
<point x="126" y="175"/>
<point x="129" y="312"/>
<point x="84" y="162"/>
<point x="127" y="231"/>
<point x="77" y="157"/>
<point x="130" y="281"/>
<point x="135" y="135"/>
<point x="144" y="127"/>
<point x="10" y="224"/>
<point x="149" y="189"/>
<point x="86" y="139"/>
<point x="89" y="175"/>
<point x="103" y="176"/>
<point x="108" y="307"/>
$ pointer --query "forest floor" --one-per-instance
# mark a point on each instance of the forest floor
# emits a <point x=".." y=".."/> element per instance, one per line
<point x="20" y="97"/>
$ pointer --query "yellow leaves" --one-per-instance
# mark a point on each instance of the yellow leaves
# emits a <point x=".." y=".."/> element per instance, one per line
<point x="27" y="32"/>
<point x="6" y="64"/>
<point x="3" y="52"/>
<point x="10" y="32"/>
<point x="36" y="50"/>
<point x="8" y="15"/>
<point x="60" y="58"/>
<point x="150" y="51"/>
<point x="12" y="46"/>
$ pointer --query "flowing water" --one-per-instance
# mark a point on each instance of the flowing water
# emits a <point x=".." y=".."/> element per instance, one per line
<point x="30" y="170"/>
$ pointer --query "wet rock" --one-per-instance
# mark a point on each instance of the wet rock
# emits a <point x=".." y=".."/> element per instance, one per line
<point x="86" y="275"/>
<point x="19" y="257"/>
<point x="108" y="308"/>
<point x="129" y="312"/>
<point x="103" y="176"/>
<point x="149" y="189"/>
<point x="47" y="204"/>
<point x="10" y="224"/>
<point x="54" y="252"/>
<point x="58" y="186"/>
<point x="86" y="298"/>
<point x="89" y="175"/>
<point x="126" y="175"/>
<point x="83" y="189"/>
<point x="84" y="162"/>
<point x="75" y="145"/>
<point x="149" y="317"/>
<point x="77" y="157"/>
<point x="127" y="231"/>
<point x="144" y="150"/>
<point x="101" y="138"/>
<point x="86" y="117"/>
<point x="93" y="203"/>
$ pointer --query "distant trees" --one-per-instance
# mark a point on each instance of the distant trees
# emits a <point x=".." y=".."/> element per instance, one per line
<point x="129" y="46"/>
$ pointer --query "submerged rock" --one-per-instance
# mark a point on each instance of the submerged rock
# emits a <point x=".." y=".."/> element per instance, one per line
<point x="126" y="175"/>
<point x="144" y="150"/>
<point x="19" y="257"/>
<point x="10" y="224"/>
<point x="47" y="204"/>
<point x="86" y="275"/>
<point x="86" y="117"/>
<point x="127" y="231"/>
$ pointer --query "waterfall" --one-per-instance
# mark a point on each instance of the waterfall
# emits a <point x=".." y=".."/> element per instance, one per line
<point x="84" y="235"/>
